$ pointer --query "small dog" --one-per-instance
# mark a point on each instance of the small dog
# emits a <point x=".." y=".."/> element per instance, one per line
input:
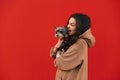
<point x="61" y="33"/>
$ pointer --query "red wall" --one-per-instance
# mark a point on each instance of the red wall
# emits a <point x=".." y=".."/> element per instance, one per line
<point x="27" y="33"/>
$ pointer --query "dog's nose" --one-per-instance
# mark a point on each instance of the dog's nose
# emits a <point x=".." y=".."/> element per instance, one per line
<point x="57" y="35"/>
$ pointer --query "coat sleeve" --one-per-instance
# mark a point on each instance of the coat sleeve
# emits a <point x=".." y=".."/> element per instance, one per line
<point x="73" y="57"/>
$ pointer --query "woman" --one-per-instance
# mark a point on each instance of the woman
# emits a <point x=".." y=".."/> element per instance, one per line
<point x="72" y="64"/>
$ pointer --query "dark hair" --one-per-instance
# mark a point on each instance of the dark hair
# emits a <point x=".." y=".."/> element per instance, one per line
<point x="82" y="24"/>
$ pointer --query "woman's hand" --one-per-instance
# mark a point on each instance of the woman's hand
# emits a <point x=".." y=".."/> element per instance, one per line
<point x="57" y="46"/>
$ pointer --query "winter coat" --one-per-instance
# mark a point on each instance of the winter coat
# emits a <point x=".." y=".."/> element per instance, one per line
<point x="73" y="64"/>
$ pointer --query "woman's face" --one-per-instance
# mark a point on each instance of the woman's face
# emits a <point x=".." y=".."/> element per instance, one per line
<point x="71" y="26"/>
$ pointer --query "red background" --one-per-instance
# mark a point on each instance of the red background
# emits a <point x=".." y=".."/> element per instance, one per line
<point x="27" y="33"/>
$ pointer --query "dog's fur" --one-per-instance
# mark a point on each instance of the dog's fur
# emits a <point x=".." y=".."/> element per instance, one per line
<point x="61" y="33"/>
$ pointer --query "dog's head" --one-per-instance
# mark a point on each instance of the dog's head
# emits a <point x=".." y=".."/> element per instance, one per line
<point x="61" y="32"/>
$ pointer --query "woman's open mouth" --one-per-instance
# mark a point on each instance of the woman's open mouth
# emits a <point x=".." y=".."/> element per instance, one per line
<point x="69" y="30"/>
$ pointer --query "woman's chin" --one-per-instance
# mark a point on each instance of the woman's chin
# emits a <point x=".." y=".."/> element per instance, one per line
<point x="70" y="33"/>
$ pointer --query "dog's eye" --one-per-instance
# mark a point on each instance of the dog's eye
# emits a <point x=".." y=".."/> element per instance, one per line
<point x="57" y="31"/>
<point x="60" y="31"/>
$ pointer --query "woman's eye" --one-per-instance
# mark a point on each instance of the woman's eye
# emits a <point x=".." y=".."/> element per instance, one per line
<point x="72" y="24"/>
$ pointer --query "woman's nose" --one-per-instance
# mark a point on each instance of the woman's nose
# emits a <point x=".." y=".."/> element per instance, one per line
<point x="68" y="26"/>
